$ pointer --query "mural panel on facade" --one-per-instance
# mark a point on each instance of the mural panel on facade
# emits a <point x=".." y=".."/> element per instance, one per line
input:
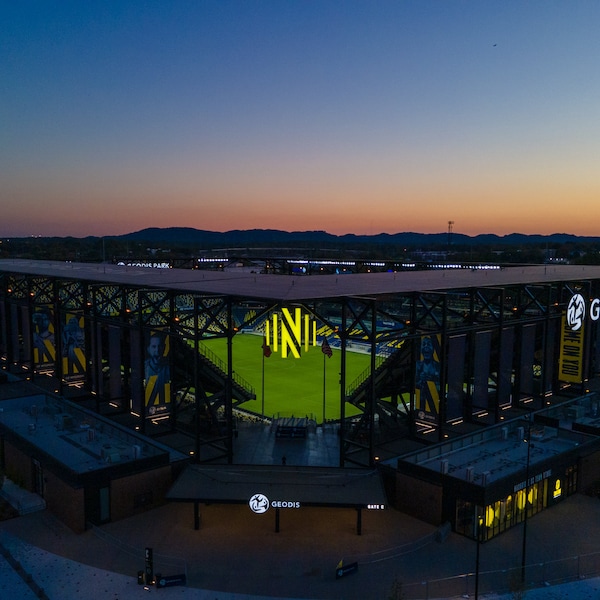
<point x="73" y="347"/>
<point x="44" y="343"/>
<point x="427" y="379"/>
<point x="157" y="374"/>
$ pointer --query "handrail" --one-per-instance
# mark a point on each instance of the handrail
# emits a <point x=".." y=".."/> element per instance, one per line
<point x="500" y="581"/>
<point x="222" y="367"/>
<point x="382" y="356"/>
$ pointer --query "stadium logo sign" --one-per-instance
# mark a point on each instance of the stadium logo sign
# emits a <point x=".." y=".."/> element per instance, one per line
<point x="146" y="264"/>
<point x="260" y="504"/>
<point x="576" y="311"/>
<point x="291" y="329"/>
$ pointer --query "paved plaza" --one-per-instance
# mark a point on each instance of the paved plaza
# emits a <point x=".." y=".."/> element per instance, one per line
<point x="238" y="555"/>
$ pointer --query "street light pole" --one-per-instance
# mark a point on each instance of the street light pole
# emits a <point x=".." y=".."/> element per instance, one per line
<point x="479" y="521"/>
<point x="524" y="553"/>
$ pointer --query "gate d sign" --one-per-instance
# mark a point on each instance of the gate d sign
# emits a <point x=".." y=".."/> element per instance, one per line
<point x="576" y="311"/>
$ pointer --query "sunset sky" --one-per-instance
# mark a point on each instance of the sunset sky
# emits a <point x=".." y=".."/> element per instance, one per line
<point x="344" y="116"/>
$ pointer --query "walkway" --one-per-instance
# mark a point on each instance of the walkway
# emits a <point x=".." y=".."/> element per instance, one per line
<point x="237" y="553"/>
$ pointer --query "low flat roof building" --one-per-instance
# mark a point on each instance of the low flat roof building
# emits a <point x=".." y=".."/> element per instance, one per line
<point x="488" y="479"/>
<point x="87" y="468"/>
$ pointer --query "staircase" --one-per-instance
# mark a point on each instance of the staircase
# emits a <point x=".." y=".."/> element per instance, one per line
<point x="391" y="373"/>
<point x="21" y="500"/>
<point x="212" y="373"/>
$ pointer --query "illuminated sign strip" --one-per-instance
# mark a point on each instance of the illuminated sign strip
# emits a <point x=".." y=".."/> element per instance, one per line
<point x="344" y="263"/>
<point x="148" y="265"/>
<point x="532" y="480"/>
<point x="215" y="260"/>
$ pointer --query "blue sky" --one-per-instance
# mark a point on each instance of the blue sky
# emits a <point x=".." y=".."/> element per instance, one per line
<point x="349" y="117"/>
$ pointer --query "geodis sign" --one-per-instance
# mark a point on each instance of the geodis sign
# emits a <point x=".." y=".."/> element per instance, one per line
<point x="260" y="504"/>
<point x="577" y="311"/>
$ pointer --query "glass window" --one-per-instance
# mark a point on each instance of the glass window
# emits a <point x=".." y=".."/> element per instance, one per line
<point x="510" y="511"/>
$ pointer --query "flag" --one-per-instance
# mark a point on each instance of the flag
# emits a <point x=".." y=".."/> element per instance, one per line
<point x="326" y="348"/>
<point x="266" y="349"/>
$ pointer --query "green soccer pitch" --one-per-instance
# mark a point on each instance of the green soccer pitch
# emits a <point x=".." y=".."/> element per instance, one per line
<point x="292" y="386"/>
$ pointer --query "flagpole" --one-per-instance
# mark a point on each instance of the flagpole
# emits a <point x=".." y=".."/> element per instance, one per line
<point x="266" y="352"/>
<point x="326" y="350"/>
<point x="324" y="357"/>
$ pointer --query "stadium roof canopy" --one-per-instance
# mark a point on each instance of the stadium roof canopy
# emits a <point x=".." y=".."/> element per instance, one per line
<point x="303" y="287"/>
<point x="310" y="486"/>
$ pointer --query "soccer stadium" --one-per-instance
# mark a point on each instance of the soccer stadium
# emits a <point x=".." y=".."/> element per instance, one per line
<point x="460" y="395"/>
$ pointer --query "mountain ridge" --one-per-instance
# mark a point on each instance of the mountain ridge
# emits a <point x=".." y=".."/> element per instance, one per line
<point x="190" y="235"/>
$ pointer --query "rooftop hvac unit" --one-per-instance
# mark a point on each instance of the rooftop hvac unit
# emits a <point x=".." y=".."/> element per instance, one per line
<point x="63" y="421"/>
<point x="108" y="454"/>
<point x="575" y="412"/>
<point x="113" y="457"/>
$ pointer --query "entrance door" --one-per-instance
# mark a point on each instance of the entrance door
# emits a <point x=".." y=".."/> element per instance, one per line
<point x="38" y="478"/>
<point x="97" y="505"/>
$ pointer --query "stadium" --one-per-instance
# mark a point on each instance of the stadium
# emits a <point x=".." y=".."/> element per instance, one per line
<point x="461" y="395"/>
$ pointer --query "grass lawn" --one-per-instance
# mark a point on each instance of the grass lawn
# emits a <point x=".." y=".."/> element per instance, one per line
<point x="292" y="386"/>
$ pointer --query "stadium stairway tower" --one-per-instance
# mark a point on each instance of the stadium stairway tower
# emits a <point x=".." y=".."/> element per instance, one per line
<point x="212" y="384"/>
<point x="391" y="379"/>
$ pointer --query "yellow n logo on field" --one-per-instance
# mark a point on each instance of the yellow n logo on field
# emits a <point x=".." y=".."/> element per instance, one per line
<point x="293" y="328"/>
<point x="291" y="332"/>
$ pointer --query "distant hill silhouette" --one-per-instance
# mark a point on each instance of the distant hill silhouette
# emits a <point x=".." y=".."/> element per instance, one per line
<point x="269" y="237"/>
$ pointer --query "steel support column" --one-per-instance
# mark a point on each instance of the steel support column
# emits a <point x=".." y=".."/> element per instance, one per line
<point x="343" y="339"/>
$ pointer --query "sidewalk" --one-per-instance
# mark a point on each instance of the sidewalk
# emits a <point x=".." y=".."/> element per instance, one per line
<point x="236" y="555"/>
<point x="63" y="579"/>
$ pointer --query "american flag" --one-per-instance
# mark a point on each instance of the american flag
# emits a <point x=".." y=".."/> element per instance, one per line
<point x="326" y="348"/>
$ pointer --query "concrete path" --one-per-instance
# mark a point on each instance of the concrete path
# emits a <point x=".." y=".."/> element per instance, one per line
<point x="237" y="555"/>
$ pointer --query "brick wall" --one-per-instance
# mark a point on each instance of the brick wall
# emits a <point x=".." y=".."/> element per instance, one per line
<point x="589" y="472"/>
<point x="129" y="495"/>
<point x="419" y="499"/>
<point x="64" y="501"/>
<point x="136" y="493"/>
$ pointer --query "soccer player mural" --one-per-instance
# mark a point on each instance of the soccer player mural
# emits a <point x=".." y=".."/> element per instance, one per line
<point x="427" y="379"/>
<point x="44" y="348"/>
<point x="73" y="347"/>
<point x="157" y="375"/>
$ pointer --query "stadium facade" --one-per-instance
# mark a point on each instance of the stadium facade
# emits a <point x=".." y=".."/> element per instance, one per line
<point x="453" y="352"/>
